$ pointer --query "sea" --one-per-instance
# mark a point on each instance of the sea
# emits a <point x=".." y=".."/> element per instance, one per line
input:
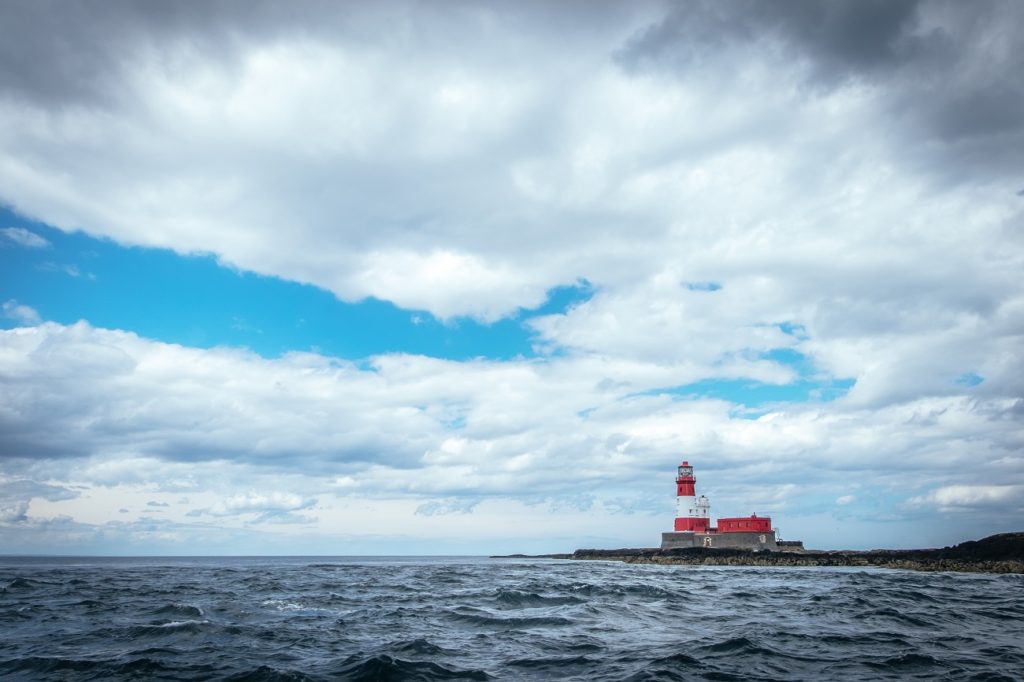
<point x="458" y="618"/>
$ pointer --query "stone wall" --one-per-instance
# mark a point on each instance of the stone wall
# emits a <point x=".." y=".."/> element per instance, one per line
<point x="752" y="541"/>
<point x="737" y="540"/>
<point x="677" y="540"/>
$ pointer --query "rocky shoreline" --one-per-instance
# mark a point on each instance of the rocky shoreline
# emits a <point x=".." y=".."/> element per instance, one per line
<point x="1003" y="553"/>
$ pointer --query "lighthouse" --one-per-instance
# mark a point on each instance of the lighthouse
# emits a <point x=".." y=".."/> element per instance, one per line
<point x="693" y="524"/>
<point x="693" y="514"/>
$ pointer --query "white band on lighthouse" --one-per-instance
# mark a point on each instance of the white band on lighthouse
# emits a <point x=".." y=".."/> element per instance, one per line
<point x="685" y="505"/>
<point x="688" y="506"/>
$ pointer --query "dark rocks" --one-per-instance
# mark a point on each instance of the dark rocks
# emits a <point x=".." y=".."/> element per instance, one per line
<point x="530" y="556"/>
<point x="1005" y="546"/>
<point x="1003" y="553"/>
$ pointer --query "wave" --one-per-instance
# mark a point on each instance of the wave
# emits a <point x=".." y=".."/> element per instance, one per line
<point x="541" y="663"/>
<point x="866" y="639"/>
<point x="183" y="610"/>
<point x="384" y="667"/>
<point x="182" y="624"/>
<point x="20" y="613"/>
<point x="159" y="629"/>
<point x="98" y="669"/>
<point x="735" y="646"/>
<point x="644" y="591"/>
<point x="907" y="663"/>
<point x="419" y="647"/>
<point x="46" y="665"/>
<point x="674" y="668"/>
<point x="892" y="614"/>
<point x="527" y="600"/>
<point x="485" y="619"/>
<point x="268" y="674"/>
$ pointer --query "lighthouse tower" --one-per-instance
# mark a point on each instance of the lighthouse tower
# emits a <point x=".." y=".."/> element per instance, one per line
<point x="692" y="513"/>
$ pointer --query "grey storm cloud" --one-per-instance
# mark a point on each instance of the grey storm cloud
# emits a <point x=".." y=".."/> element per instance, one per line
<point x="949" y="71"/>
<point x="16" y="495"/>
<point x="842" y="37"/>
<point x="60" y="52"/>
<point x="28" y="489"/>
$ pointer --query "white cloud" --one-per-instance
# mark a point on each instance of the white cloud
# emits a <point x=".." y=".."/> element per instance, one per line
<point x="69" y="269"/>
<point x="23" y="237"/>
<point x="446" y="283"/>
<point x="452" y="505"/>
<point x="662" y="321"/>
<point x="963" y="497"/>
<point x="296" y="439"/>
<point x="17" y="494"/>
<point x="13" y="511"/>
<point x="260" y="507"/>
<point x="845" y="499"/>
<point x="20" y="313"/>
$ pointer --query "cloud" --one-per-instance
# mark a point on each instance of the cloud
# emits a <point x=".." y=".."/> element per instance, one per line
<point x="157" y="504"/>
<point x="23" y="237"/>
<point x="20" y="313"/>
<point x="840" y="38"/>
<point x="16" y="495"/>
<point x="447" y="283"/>
<point x="13" y="511"/>
<point x="273" y="507"/>
<point x="726" y="329"/>
<point x="943" y="74"/>
<point x="268" y="440"/>
<point x="647" y="504"/>
<point x="70" y="270"/>
<point x="452" y="505"/>
<point x="972" y="497"/>
<point x="844" y="500"/>
<point x="164" y="536"/>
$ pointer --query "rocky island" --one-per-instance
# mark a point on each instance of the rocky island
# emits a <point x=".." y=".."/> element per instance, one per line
<point x="1003" y="553"/>
<point x="752" y="541"/>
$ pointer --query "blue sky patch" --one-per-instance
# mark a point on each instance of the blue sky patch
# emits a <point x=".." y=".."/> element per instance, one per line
<point x="750" y="393"/>
<point x="195" y="301"/>
<point x="969" y="379"/>
<point x="702" y="286"/>
<point x="811" y="385"/>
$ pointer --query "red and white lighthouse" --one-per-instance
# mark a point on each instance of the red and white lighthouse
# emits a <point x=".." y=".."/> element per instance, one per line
<point x="693" y="524"/>
<point x="693" y="513"/>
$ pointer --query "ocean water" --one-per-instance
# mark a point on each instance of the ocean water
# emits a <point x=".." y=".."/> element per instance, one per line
<point x="477" y="619"/>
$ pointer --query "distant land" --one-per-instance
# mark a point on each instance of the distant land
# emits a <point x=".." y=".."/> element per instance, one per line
<point x="1002" y="553"/>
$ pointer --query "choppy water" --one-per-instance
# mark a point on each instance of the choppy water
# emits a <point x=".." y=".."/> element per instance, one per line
<point x="442" y="619"/>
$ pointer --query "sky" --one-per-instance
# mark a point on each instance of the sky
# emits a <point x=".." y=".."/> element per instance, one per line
<point x="474" y="277"/>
